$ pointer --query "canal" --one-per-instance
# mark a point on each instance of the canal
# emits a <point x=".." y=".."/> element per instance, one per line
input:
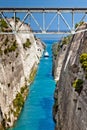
<point x="37" y="111"/>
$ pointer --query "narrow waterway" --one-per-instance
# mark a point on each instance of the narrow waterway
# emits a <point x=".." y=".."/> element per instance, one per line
<point x="37" y="111"/>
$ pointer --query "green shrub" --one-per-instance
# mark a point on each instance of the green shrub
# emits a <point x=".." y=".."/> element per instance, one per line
<point x="83" y="61"/>
<point x="23" y="89"/>
<point x="66" y="40"/>
<point x="27" y="44"/>
<point x="78" y="85"/>
<point x="79" y="24"/>
<point x="83" y="57"/>
<point x="55" y="53"/>
<point x="18" y="101"/>
<point x="3" y="24"/>
<point x="11" y="48"/>
<point x="84" y="65"/>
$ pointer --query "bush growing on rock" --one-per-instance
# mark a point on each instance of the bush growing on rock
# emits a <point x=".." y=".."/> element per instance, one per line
<point x="79" y="24"/>
<point x="83" y="61"/>
<point x="18" y="104"/>
<point x="78" y="85"/>
<point x="27" y="44"/>
<point x="3" y="23"/>
<point x="66" y="40"/>
<point x="23" y="89"/>
<point x="11" y="48"/>
<point x="19" y="101"/>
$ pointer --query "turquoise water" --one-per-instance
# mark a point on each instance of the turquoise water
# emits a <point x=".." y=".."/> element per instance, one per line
<point x="37" y="111"/>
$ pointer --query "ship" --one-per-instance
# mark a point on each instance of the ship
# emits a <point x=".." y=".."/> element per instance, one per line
<point x="46" y="54"/>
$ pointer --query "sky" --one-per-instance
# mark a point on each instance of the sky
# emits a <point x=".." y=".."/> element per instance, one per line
<point x="43" y="3"/>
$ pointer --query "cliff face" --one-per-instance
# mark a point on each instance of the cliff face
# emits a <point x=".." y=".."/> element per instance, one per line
<point x="19" y="58"/>
<point x="70" y="107"/>
<point x="58" y="60"/>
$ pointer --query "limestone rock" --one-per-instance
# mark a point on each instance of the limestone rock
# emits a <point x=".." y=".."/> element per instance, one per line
<point x="71" y="110"/>
<point x="19" y="55"/>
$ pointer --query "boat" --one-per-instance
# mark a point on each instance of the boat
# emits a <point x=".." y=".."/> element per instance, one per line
<point x="46" y="54"/>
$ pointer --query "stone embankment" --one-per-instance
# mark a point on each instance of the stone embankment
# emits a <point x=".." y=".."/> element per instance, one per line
<point x="19" y="58"/>
<point x="70" y="108"/>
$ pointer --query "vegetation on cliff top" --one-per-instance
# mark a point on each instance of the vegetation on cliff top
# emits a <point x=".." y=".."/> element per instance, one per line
<point x="66" y="40"/>
<point x="79" y="24"/>
<point x="57" y="46"/>
<point x="3" y="24"/>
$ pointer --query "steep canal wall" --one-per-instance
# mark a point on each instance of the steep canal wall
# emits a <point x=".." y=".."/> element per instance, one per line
<point x="70" y="109"/>
<point x="19" y="58"/>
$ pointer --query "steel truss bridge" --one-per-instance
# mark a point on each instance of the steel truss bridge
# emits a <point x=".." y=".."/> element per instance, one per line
<point x="44" y="20"/>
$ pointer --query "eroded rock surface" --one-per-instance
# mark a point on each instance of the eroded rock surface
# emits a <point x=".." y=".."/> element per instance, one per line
<point x="70" y="107"/>
<point x="19" y="58"/>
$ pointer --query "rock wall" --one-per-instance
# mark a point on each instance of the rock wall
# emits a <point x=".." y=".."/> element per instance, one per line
<point x="58" y="62"/>
<point x="19" y="58"/>
<point x="70" y="108"/>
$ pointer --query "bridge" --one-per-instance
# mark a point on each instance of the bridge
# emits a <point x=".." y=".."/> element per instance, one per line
<point x="44" y="20"/>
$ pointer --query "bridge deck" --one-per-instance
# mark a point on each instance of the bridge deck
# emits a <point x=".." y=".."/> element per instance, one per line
<point x="44" y="9"/>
